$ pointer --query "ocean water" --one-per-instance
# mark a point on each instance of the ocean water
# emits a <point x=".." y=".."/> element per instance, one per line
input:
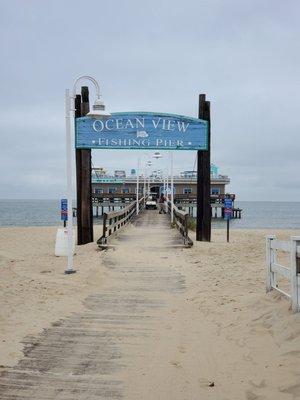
<point x="29" y="212"/>
<point x="277" y="215"/>
<point x="32" y="213"/>
<point x="266" y="215"/>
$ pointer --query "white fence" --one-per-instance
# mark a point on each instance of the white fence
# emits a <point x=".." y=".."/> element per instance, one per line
<point x="292" y="272"/>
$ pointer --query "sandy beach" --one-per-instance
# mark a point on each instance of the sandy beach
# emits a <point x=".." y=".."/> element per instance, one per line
<point x="222" y="336"/>
<point x="34" y="290"/>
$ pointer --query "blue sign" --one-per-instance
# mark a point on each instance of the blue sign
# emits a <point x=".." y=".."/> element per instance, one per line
<point x="142" y="130"/>
<point x="64" y="210"/>
<point x="228" y="204"/>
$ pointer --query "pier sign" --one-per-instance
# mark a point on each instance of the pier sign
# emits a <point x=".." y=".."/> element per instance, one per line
<point x="228" y="208"/>
<point x="64" y="210"/>
<point x="142" y="130"/>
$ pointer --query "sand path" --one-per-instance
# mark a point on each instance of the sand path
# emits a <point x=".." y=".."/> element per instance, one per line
<point x="168" y="323"/>
<point x="129" y="342"/>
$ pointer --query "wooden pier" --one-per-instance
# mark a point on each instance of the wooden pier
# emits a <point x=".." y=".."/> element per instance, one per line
<point x="97" y="352"/>
<point x="106" y="202"/>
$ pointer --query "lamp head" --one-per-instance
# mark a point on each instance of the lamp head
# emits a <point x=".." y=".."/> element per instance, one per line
<point x="98" y="110"/>
<point x="157" y="155"/>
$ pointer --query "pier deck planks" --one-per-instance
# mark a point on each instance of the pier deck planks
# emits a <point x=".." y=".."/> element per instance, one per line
<point x="86" y="355"/>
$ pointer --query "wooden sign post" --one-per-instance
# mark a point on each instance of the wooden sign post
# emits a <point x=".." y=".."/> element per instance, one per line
<point x="203" y="227"/>
<point x="84" y="178"/>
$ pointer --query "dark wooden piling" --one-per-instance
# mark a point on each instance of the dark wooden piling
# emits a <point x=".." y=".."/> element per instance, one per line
<point x="78" y="174"/>
<point x="84" y="180"/>
<point x="203" y="229"/>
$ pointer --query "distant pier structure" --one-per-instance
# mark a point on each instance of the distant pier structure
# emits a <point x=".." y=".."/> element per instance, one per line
<point x="110" y="192"/>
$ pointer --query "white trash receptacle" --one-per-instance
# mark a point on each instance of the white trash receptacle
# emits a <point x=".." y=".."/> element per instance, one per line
<point x="61" y="243"/>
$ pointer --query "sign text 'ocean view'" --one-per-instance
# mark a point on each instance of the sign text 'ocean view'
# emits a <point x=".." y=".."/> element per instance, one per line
<point x="142" y="130"/>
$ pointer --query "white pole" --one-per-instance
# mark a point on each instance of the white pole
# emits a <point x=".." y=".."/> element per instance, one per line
<point x="172" y="188"/>
<point x="295" y="289"/>
<point x="69" y="116"/>
<point x="167" y="186"/>
<point x="165" y="195"/>
<point x="137" y="188"/>
<point x="270" y="259"/>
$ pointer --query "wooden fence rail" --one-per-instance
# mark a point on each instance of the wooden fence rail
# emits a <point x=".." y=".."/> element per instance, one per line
<point x="291" y="273"/>
<point x="181" y="221"/>
<point x="115" y="220"/>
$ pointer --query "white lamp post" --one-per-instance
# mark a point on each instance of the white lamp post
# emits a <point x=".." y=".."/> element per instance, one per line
<point x="137" y="187"/>
<point x="145" y="182"/>
<point x="172" y="188"/>
<point x="168" y="185"/>
<point x="149" y="163"/>
<point x="157" y="155"/>
<point x="98" y="111"/>
<point x="144" y="186"/>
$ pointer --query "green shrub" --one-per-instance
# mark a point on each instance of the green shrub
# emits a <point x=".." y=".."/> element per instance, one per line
<point x="192" y="223"/>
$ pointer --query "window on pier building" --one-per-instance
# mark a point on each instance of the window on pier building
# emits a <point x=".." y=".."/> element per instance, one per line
<point x="215" y="190"/>
<point x="112" y="190"/>
<point x="99" y="190"/>
<point x="125" y="190"/>
<point x="187" y="190"/>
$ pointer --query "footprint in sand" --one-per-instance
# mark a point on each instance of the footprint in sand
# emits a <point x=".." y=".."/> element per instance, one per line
<point x="247" y="357"/>
<point x="206" y="383"/>
<point x="259" y="384"/>
<point x="175" y="364"/>
<point x="182" y="349"/>
<point x="252" y="396"/>
<point x="293" y="389"/>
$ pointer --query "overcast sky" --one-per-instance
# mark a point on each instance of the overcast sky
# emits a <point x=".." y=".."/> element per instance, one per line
<point x="154" y="56"/>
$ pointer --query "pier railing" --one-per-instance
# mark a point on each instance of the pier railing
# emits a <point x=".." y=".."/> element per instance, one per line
<point x="181" y="221"/>
<point x="115" y="220"/>
<point x="291" y="272"/>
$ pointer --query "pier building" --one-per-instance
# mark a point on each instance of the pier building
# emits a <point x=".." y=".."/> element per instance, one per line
<point x="111" y="190"/>
<point x="185" y="184"/>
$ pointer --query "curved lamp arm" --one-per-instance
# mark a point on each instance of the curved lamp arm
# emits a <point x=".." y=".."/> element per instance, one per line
<point x="89" y="78"/>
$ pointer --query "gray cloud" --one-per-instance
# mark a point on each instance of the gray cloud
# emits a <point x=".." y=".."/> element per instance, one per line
<point x="155" y="56"/>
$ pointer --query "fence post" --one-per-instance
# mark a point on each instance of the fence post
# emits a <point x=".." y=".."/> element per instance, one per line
<point x="104" y="228"/>
<point x="271" y="256"/>
<point x="295" y="270"/>
<point x="186" y="229"/>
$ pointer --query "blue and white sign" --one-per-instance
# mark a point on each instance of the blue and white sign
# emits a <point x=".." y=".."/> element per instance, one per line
<point x="64" y="210"/>
<point x="228" y="204"/>
<point x="142" y="130"/>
